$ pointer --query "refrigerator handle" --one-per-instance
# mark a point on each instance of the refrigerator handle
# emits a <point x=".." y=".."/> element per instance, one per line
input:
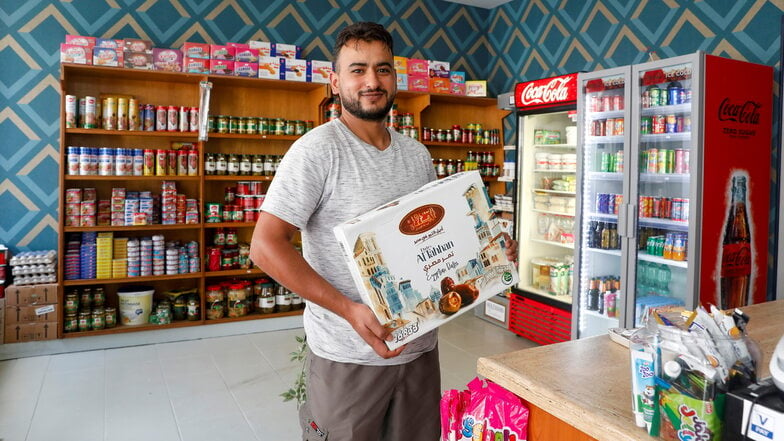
<point x="627" y="220"/>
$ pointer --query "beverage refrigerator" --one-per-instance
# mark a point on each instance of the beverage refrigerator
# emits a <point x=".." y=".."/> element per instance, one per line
<point x="674" y="184"/>
<point x="544" y="195"/>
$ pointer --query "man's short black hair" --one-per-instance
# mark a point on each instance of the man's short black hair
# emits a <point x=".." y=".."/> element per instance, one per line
<point x="366" y="31"/>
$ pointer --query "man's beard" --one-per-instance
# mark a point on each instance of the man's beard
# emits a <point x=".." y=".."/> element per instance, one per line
<point x="354" y="107"/>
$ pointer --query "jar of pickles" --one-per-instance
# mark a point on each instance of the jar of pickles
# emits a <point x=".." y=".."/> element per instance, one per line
<point x="244" y="256"/>
<point x="233" y="165"/>
<point x="71" y="323"/>
<point x="85" y="321"/>
<point x="245" y="165"/>
<point x="215" y="311"/>
<point x="257" y="166"/>
<point x="238" y="308"/>
<point x="110" y="317"/>
<point x="221" y="164"/>
<point x="209" y="164"/>
<point x="237" y="292"/>
<point x="180" y="311"/>
<point x="194" y="309"/>
<point x="99" y="298"/>
<point x="98" y="318"/>
<point x="71" y="303"/>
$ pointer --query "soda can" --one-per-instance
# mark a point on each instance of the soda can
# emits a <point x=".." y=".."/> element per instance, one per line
<point x="72" y="155"/>
<point x="183" y="124"/>
<point x="594" y="104"/>
<point x="682" y="96"/>
<point x="666" y="208"/>
<point x="110" y="114"/>
<point x="657" y="203"/>
<point x="148" y="117"/>
<point x="182" y="162"/>
<point x="193" y="119"/>
<point x="685" y="161"/>
<point x="149" y="162"/>
<point x="618" y="126"/>
<point x="686" y="124"/>
<point x="619" y="161"/>
<point x="687" y="99"/>
<point x="671" y="124"/>
<point x="670" y="168"/>
<point x="70" y="111"/>
<point x="653" y="159"/>
<point x="677" y="209"/>
<point x="138" y="162"/>
<point x="172" y="118"/>
<point x="105" y="161"/>
<point x="645" y="99"/>
<point x="80" y="109"/>
<point x="160" y="118"/>
<point x="618" y="202"/>
<point x="685" y="210"/>
<point x="658" y="124"/>
<point x="606" y="103"/>
<point x="678" y="168"/>
<point x="133" y="114"/>
<point x="678" y="124"/>
<point x="617" y="102"/>
<point x="605" y="163"/>
<point x="645" y="125"/>
<point x="161" y="162"/>
<point x="171" y="163"/>
<point x="611" y="208"/>
<point x="654" y="96"/>
<point x="661" y="162"/>
<point x="90" y="120"/>
<point x="609" y="126"/>
<point x="122" y="114"/>
<point x="673" y="95"/>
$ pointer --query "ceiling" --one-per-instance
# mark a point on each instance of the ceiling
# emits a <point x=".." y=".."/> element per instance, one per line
<point x="488" y="4"/>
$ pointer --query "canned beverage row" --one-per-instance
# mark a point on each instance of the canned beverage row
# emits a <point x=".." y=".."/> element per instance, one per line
<point x="660" y="124"/>
<point x="664" y="161"/>
<point x="108" y="161"/>
<point x="233" y="164"/>
<point x="605" y="102"/>
<point x="606" y="127"/>
<point x="660" y="207"/>
<point x="252" y="125"/>
<point x="126" y="113"/>
<point x="673" y="94"/>
<point x="608" y="203"/>
<point x="671" y="246"/>
<point x="611" y="162"/>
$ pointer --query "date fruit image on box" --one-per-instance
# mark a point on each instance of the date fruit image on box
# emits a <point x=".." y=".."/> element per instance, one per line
<point x="423" y="259"/>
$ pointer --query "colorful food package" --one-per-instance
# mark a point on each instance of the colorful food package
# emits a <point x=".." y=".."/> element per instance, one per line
<point x="319" y="71"/>
<point x="476" y="88"/>
<point x="270" y="68"/>
<point x="196" y="50"/>
<point x="169" y="60"/>
<point x="295" y="70"/>
<point x="423" y="259"/>
<point x="486" y="411"/>
<point x="75" y="53"/>
<point x="438" y="69"/>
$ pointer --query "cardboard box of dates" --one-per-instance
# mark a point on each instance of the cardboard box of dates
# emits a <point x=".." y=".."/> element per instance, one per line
<point x="424" y="259"/>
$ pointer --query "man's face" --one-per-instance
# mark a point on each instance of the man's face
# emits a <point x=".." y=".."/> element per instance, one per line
<point x="365" y="79"/>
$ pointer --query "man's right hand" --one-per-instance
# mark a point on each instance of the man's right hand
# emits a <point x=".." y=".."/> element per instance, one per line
<point x="362" y="319"/>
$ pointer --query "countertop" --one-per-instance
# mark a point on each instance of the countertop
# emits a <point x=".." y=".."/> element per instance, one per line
<point x="587" y="383"/>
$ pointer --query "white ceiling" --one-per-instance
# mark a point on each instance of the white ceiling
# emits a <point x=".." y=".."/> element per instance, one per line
<point x="488" y="4"/>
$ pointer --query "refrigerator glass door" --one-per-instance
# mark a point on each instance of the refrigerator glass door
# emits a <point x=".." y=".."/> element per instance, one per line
<point x="546" y="204"/>
<point x="602" y="106"/>
<point x="662" y="183"/>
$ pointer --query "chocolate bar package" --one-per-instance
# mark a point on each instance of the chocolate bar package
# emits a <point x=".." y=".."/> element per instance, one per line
<point x="423" y="259"/>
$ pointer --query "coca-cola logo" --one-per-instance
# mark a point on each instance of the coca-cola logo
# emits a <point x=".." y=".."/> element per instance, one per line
<point x="745" y="113"/>
<point x="678" y="74"/>
<point x="421" y="219"/>
<point x="551" y="92"/>
<point x="736" y="260"/>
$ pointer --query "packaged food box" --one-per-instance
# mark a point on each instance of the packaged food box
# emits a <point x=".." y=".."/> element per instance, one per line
<point x="319" y="71"/>
<point x="423" y="259"/>
<point x="270" y="68"/>
<point x="264" y="47"/>
<point x="137" y="45"/>
<point x="417" y="68"/>
<point x="75" y="53"/>
<point x="457" y="76"/>
<point x="244" y="69"/>
<point x="295" y="70"/>
<point x="222" y="67"/>
<point x="169" y="60"/>
<point x="476" y="88"/>
<point x="289" y="51"/>
<point x="402" y="81"/>
<point x="110" y="43"/>
<point x="401" y="65"/>
<point x="196" y="50"/>
<point x="418" y="83"/>
<point x="104" y="56"/>
<point x="439" y="85"/>
<point x="196" y="65"/>
<point x="137" y="60"/>
<point x="80" y="40"/>
<point x="438" y="69"/>
<point x="457" y="88"/>
<point x="222" y="52"/>
<point x="246" y="55"/>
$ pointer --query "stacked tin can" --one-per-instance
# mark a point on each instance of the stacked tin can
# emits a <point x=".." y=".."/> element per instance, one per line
<point x="253" y="125"/>
<point x="87" y="255"/>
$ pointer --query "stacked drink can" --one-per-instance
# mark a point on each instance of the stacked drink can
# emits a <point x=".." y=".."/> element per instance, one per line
<point x="608" y="203"/>
<point x="660" y="207"/>
<point x="671" y="246"/>
<point x="665" y="161"/>
<point x="611" y="162"/>
<point x="674" y="94"/>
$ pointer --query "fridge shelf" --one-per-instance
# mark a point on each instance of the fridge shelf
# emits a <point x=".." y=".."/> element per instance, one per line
<point x="542" y="190"/>
<point x="555" y="244"/>
<point x="602" y="216"/>
<point x="614" y="139"/>
<point x="661" y="260"/>
<point x="604" y="176"/>
<point x="557" y="213"/>
<point x="664" y="223"/>
<point x="675" y="178"/>
<point x="602" y="316"/>
<point x="602" y="251"/>
<point x="666" y="110"/>
<point x="557" y="146"/>
<point x="548" y="294"/>
<point x="548" y="170"/>
<point x="605" y="115"/>
<point x="666" y="137"/>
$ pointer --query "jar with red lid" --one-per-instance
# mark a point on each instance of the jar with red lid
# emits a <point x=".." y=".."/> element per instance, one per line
<point x="215" y="294"/>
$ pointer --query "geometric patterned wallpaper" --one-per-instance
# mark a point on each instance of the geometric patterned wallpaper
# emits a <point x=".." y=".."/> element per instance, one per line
<point x="518" y="41"/>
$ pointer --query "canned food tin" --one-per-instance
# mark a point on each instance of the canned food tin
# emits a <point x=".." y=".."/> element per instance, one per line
<point x="661" y="162"/>
<point x="110" y="114"/>
<point x="122" y="114"/>
<point x="193" y="163"/>
<point x="222" y="125"/>
<point x="658" y="124"/>
<point x="677" y="209"/>
<point x="133" y="114"/>
<point x="172" y="118"/>
<point x="671" y="124"/>
<point x="645" y="125"/>
<point x="653" y="159"/>
<point x="193" y="119"/>
<point x="90" y="119"/>
<point x="183" y="123"/>
<point x="71" y="116"/>
<point x="161" y="118"/>
<point x="148" y="117"/>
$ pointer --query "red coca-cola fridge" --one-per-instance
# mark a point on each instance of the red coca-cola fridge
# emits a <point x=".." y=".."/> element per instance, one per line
<point x="692" y="209"/>
<point x="540" y="308"/>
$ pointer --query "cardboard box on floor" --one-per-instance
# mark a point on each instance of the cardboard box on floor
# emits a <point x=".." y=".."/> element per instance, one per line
<point x="29" y="314"/>
<point x="24" y="332"/>
<point x="427" y="257"/>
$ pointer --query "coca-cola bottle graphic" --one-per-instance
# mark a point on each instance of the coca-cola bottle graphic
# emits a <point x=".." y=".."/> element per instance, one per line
<point x="736" y="250"/>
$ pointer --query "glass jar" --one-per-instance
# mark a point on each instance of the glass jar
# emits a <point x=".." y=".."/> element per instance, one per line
<point x="211" y="124"/>
<point x="237" y="292"/>
<point x="99" y="298"/>
<point x="194" y="309"/>
<point x="242" y="124"/>
<point x="110" y="317"/>
<point x="290" y="127"/>
<point x="238" y="308"/>
<point x="282" y="299"/>
<point x="233" y="165"/>
<point x="221" y="164"/>
<point x="457" y="133"/>
<point x="209" y="164"/>
<point x="280" y="126"/>
<point x="257" y="166"/>
<point x="98" y="318"/>
<point x="71" y="303"/>
<point x="215" y="310"/>
<point x="86" y="299"/>
<point x="245" y="167"/>
<point x="85" y="321"/>
<point x="299" y="128"/>
<point x="233" y="124"/>
<point x="269" y="165"/>
<point x="180" y="311"/>
<point x="222" y="124"/>
<point x="264" y="128"/>
<point x="231" y="237"/>
<point x="296" y="302"/>
<point x="244" y="256"/>
<point x="71" y="323"/>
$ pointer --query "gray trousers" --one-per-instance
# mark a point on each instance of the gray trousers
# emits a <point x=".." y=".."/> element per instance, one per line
<point x="352" y="402"/>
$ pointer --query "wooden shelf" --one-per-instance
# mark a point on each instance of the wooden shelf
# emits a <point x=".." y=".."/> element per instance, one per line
<point x="86" y="282"/>
<point x="120" y="73"/>
<point x="235" y="273"/>
<point x="133" y="328"/>
<point x="236" y="178"/>
<point x="253" y="316"/>
<point x="229" y="224"/>
<point x="462" y="145"/>
<point x="254" y="137"/>
<point x="156" y="133"/>
<point x="130" y="178"/>
<point x="155" y="227"/>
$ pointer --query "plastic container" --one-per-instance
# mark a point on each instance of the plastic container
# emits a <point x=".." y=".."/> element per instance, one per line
<point x="135" y="304"/>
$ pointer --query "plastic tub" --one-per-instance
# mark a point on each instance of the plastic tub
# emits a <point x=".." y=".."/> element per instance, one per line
<point x="135" y="304"/>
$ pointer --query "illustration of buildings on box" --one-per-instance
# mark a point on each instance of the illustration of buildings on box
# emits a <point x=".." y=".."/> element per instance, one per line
<point x="396" y="302"/>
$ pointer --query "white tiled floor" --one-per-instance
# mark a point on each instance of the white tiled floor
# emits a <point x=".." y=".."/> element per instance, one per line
<point x="225" y="388"/>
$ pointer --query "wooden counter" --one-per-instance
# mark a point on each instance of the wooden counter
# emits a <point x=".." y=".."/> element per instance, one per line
<point x="581" y="390"/>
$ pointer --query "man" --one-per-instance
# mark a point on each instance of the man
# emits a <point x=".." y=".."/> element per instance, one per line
<point x="358" y="389"/>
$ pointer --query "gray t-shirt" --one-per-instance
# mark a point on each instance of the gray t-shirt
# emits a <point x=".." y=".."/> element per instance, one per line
<point x="330" y="176"/>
